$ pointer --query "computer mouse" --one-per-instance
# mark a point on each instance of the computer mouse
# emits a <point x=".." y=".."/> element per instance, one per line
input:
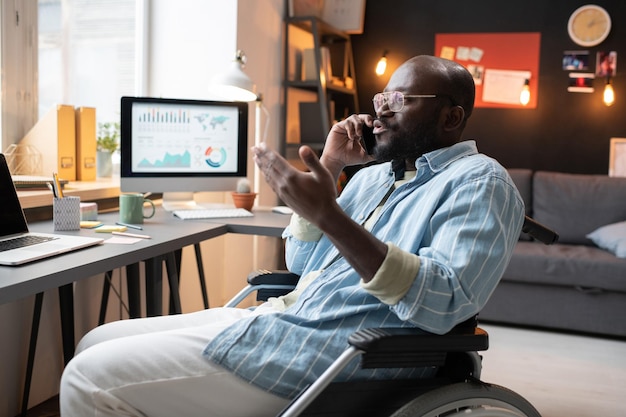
<point x="282" y="210"/>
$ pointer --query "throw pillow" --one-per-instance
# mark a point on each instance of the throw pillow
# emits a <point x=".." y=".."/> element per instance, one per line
<point x="611" y="237"/>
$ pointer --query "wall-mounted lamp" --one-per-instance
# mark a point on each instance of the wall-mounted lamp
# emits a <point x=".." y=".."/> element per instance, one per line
<point x="609" y="95"/>
<point x="524" y="96"/>
<point x="381" y="66"/>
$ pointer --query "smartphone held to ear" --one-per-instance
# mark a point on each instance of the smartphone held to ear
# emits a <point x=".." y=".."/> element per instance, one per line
<point x="368" y="139"/>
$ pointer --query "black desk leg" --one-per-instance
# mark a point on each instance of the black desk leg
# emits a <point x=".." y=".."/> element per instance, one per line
<point x="134" y="292"/>
<point x="154" y="286"/>
<point x="32" y="347"/>
<point x="173" y="280"/>
<point x="66" y="302"/>
<point x="205" y="296"/>
<point x="104" y="302"/>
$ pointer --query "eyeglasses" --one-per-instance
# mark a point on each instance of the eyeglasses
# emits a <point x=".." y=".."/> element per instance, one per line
<point x="395" y="99"/>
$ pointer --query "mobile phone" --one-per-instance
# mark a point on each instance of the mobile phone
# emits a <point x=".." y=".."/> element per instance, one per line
<point x="368" y="139"/>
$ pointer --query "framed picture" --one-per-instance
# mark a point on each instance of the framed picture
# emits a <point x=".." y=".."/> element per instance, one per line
<point x="617" y="158"/>
<point x="606" y="63"/>
<point x="575" y="60"/>
<point x="346" y="15"/>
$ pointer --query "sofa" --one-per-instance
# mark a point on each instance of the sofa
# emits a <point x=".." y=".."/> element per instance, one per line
<point x="579" y="283"/>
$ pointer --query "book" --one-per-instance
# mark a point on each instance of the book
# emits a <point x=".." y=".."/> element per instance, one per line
<point x="34" y="182"/>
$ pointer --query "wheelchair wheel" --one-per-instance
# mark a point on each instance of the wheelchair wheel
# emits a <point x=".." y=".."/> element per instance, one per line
<point x="474" y="399"/>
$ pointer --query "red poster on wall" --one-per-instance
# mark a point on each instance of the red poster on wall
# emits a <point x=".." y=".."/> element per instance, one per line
<point x="501" y="64"/>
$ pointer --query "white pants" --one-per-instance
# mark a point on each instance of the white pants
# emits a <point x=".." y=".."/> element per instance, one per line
<point x="154" y="367"/>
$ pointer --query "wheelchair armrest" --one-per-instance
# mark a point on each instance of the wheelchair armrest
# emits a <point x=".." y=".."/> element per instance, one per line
<point x="279" y="277"/>
<point x="406" y="347"/>
<point x="539" y="231"/>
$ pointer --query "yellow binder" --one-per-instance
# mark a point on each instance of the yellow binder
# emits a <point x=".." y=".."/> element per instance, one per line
<point x="54" y="136"/>
<point x="85" y="144"/>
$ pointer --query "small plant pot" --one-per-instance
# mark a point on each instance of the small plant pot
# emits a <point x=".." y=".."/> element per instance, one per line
<point x="244" y="200"/>
<point x="104" y="164"/>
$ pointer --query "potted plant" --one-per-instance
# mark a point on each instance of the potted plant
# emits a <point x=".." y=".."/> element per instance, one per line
<point x="243" y="197"/>
<point x="107" y="143"/>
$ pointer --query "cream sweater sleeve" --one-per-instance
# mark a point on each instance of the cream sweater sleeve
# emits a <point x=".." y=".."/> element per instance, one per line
<point x="394" y="277"/>
<point x="302" y="230"/>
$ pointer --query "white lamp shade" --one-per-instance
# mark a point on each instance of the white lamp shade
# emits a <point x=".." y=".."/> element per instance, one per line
<point x="234" y="85"/>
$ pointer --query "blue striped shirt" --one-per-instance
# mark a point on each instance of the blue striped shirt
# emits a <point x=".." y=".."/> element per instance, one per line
<point x="461" y="215"/>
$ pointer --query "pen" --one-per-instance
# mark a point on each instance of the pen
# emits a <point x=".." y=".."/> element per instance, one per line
<point x="57" y="184"/>
<point x="132" y="226"/>
<point x="131" y="235"/>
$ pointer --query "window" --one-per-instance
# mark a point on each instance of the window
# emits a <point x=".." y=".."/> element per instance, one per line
<point x="83" y="55"/>
<point x="86" y="54"/>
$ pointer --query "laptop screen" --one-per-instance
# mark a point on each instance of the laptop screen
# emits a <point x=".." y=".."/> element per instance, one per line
<point x="12" y="219"/>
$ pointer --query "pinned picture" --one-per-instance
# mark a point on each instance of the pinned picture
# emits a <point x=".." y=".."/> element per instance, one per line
<point x="575" y="60"/>
<point x="478" y="72"/>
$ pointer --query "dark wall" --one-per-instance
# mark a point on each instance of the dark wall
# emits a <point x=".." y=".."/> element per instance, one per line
<point x="568" y="132"/>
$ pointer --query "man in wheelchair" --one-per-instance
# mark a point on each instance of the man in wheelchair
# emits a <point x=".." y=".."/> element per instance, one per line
<point x="418" y="239"/>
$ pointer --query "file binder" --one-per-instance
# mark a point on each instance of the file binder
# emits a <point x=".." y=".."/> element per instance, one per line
<point x="55" y="138"/>
<point x="85" y="144"/>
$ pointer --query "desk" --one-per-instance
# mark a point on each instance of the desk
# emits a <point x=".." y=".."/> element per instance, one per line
<point x="168" y="233"/>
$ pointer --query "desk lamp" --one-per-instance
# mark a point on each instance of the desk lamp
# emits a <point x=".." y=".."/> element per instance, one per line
<point x="235" y="85"/>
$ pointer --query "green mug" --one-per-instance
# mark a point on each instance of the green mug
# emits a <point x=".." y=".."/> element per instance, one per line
<point x="132" y="208"/>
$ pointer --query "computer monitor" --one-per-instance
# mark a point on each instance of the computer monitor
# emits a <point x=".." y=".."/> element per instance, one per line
<point x="180" y="146"/>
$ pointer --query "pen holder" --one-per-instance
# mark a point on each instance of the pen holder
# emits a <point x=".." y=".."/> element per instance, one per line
<point x="66" y="213"/>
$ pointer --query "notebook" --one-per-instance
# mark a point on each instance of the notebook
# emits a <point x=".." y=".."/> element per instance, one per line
<point x="17" y="244"/>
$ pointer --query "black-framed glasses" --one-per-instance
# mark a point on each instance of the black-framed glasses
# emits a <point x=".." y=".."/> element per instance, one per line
<point x="395" y="99"/>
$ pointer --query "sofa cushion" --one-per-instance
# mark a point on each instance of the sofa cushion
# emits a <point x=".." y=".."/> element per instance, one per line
<point x="580" y="266"/>
<point x="611" y="237"/>
<point x="575" y="205"/>
<point x="522" y="178"/>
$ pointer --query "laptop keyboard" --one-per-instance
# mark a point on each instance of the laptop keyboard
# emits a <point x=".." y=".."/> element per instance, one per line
<point x="21" y="241"/>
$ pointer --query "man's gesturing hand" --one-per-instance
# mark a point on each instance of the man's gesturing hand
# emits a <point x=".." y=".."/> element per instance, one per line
<point x="310" y="194"/>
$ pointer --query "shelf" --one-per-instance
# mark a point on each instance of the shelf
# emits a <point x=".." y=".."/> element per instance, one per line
<point x="312" y="23"/>
<point x="312" y="85"/>
<point x="325" y="101"/>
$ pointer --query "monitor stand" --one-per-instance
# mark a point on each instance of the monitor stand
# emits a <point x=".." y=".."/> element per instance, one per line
<point x="178" y="201"/>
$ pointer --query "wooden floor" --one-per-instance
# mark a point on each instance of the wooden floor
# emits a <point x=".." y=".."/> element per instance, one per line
<point x="560" y="374"/>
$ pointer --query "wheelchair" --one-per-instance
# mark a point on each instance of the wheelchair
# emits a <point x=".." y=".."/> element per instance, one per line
<point x="456" y="390"/>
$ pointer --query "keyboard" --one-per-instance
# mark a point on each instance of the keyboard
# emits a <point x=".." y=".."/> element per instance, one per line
<point x="21" y="241"/>
<point x="215" y="213"/>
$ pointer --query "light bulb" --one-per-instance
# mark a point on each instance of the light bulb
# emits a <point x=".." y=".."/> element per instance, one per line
<point x="381" y="66"/>
<point x="609" y="95"/>
<point x="524" y="96"/>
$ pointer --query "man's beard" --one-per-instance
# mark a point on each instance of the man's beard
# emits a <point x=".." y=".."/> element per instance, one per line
<point x="408" y="145"/>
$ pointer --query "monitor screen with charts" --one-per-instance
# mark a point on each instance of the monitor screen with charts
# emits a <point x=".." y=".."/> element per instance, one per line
<point x="180" y="145"/>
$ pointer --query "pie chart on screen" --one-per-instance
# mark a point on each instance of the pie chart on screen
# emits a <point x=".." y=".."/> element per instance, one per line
<point x="215" y="157"/>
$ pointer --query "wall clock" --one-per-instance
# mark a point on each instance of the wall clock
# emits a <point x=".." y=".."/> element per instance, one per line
<point x="589" y="25"/>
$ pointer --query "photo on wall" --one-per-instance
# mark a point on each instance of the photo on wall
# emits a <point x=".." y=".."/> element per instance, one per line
<point x="575" y="60"/>
<point x="606" y="63"/>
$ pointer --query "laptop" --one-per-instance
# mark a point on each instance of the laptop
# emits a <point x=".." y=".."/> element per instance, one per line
<point x="17" y="244"/>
